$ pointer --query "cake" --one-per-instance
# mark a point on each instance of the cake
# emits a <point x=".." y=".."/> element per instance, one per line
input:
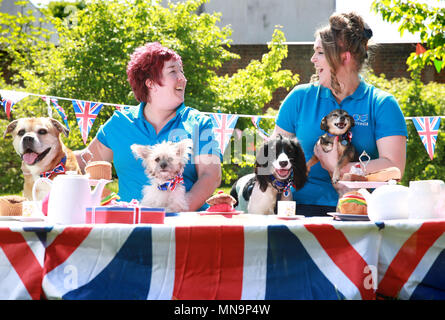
<point x="99" y="170"/>
<point x="352" y="203"/>
<point x="391" y="173"/>
<point x="221" y="202"/>
<point x="11" y="205"/>
<point x="384" y="175"/>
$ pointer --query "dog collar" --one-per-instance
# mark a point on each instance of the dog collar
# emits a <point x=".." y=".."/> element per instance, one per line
<point x="171" y="184"/>
<point x="60" y="168"/>
<point x="344" y="138"/>
<point x="282" y="186"/>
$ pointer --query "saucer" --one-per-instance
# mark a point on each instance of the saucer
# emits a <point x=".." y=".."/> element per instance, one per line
<point x="296" y="217"/>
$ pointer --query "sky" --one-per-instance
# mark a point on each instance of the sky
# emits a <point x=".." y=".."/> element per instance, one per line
<point x="383" y="32"/>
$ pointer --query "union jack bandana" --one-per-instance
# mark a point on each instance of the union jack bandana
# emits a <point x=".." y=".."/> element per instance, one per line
<point x="60" y="168"/>
<point x="171" y="184"/>
<point x="344" y="137"/>
<point x="282" y="186"/>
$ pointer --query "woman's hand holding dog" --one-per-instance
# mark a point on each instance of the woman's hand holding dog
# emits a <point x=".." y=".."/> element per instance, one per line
<point x="329" y="160"/>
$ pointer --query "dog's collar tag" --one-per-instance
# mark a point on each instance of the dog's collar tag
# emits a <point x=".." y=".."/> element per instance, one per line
<point x="171" y="184"/>
<point x="60" y="168"/>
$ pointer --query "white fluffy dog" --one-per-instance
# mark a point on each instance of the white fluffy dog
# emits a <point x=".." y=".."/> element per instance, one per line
<point x="164" y="164"/>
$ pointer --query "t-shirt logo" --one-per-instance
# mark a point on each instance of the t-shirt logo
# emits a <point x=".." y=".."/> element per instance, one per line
<point x="361" y="119"/>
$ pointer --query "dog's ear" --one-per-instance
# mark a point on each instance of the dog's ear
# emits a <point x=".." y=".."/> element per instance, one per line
<point x="298" y="161"/>
<point x="351" y="119"/>
<point x="261" y="164"/>
<point x="140" y="152"/>
<point x="60" y="127"/>
<point x="262" y="155"/>
<point x="324" y="124"/>
<point x="262" y="180"/>
<point x="11" y="126"/>
<point x="185" y="147"/>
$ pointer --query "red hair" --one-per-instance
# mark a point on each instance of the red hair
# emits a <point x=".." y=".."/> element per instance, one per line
<point x="147" y="62"/>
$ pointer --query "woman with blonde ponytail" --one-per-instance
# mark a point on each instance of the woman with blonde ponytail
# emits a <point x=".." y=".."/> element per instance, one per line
<point x="340" y="52"/>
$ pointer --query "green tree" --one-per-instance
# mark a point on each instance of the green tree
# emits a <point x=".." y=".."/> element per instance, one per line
<point x="418" y="99"/>
<point x="415" y="16"/>
<point x="63" y="9"/>
<point x="89" y="62"/>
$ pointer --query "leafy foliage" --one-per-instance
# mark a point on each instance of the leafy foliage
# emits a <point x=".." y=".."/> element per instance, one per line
<point x="415" y="16"/>
<point x="418" y="99"/>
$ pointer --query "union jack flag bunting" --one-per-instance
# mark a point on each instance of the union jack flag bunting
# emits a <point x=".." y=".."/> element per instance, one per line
<point x="86" y="112"/>
<point x="59" y="109"/>
<point x="428" y="128"/>
<point x="256" y="122"/>
<point x="224" y="124"/>
<point x="7" y="105"/>
<point x="9" y="98"/>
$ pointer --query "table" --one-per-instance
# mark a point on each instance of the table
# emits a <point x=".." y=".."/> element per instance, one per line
<point x="245" y="257"/>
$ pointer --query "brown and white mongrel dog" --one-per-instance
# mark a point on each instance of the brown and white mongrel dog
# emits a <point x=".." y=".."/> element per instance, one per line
<point x="43" y="154"/>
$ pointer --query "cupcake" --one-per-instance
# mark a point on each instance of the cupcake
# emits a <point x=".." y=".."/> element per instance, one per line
<point x="11" y="205"/>
<point x="99" y="170"/>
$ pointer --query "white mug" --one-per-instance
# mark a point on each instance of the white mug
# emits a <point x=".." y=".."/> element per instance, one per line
<point x="286" y="208"/>
<point x="424" y="199"/>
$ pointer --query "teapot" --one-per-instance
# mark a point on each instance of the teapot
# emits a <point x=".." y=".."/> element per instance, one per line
<point x="69" y="197"/>
<point x="427" y="199"/>
<point x="387" y="202"/>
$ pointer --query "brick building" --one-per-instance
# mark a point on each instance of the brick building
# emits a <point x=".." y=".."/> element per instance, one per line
<point x="387" y="58"/>
<point x="253" y="22"/>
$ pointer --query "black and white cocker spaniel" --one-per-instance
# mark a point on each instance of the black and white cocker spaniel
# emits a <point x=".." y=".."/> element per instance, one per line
<point x="280" y="164"/>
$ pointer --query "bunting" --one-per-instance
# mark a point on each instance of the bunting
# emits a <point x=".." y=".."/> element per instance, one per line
<point x="224" y="124"/>
<point x="9" y="98"/>
<point x="420" y="49"/>
<point x="86" y="113"/>
<point x="428" y="129"/>
<point x="59" y="109"/>
<point x="256" y="122"/>
<point x="438" y="64"/>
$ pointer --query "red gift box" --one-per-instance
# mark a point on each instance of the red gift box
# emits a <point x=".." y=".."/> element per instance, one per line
<point x="130" y="215"/>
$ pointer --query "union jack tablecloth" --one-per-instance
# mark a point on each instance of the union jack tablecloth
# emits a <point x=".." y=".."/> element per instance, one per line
<point x="295" y="260"/>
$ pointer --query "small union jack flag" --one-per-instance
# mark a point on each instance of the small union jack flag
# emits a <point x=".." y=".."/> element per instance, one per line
<point x="86" y="113"/>
<point x="59" y="109"/>
<point x="427" y="128"/>
<point x="224" y="124"/>
<point x="9" y="98"/>
<point x="256" y="122"/>
<point x="7" y="105"/>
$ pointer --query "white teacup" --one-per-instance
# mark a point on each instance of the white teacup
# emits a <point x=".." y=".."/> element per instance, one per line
<point x="286" y="208"/>
<point x="32" y="209"/>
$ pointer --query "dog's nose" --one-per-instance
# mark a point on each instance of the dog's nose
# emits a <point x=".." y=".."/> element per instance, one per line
<point x="27" y="141"/>
<point x="283" y="163"/>
<point x="163" y="164"/>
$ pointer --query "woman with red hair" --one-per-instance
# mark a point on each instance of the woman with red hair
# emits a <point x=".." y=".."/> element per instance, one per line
<point x="157" y="79"/>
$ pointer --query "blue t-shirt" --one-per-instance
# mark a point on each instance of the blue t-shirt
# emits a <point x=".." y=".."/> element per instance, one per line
<point x="376" y="114"/>
<point x="126" y="128"/>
